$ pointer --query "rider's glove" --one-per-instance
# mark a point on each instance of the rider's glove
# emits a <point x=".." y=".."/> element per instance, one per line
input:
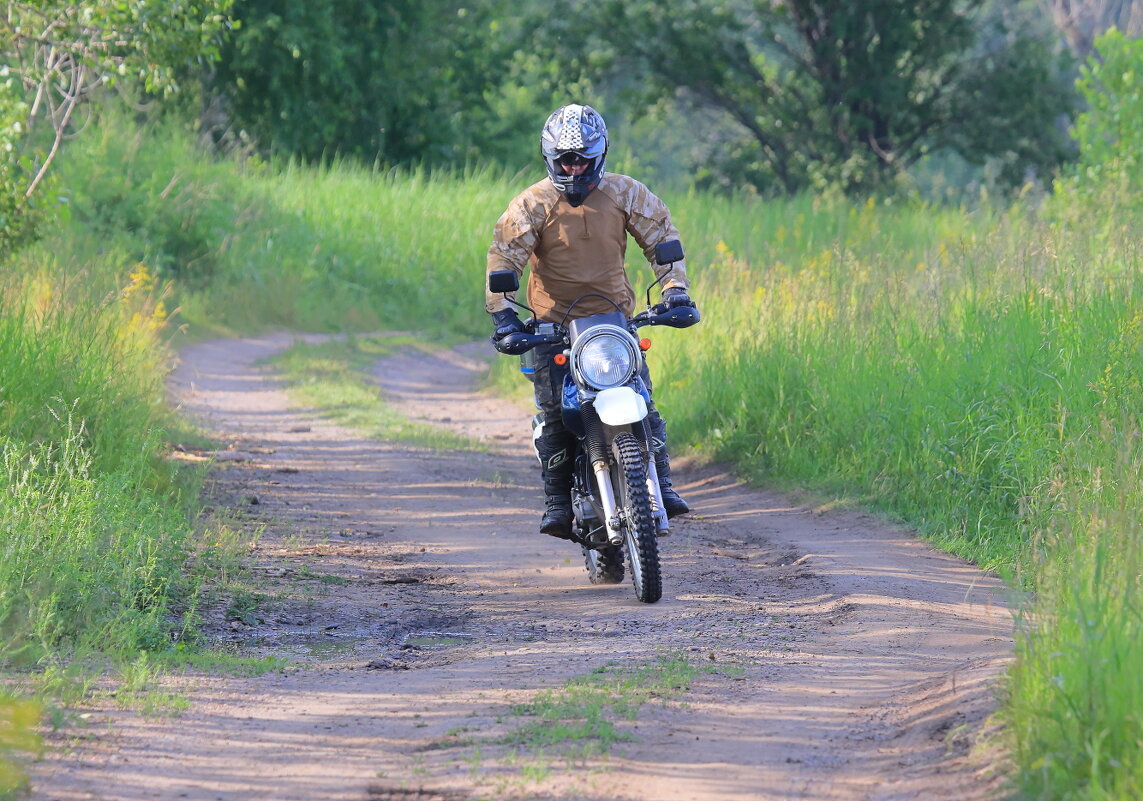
<point x="674" y="297"/>
<point x="506" y="322"/>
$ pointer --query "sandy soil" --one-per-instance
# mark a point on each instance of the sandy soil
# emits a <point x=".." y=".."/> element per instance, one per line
<point x="417" y="604"/>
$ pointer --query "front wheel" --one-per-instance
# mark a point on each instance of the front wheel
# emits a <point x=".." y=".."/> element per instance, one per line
<point x="641" y="536"/>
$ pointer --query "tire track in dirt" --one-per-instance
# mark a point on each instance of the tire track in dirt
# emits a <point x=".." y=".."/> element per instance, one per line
<point x="851" y="661"/>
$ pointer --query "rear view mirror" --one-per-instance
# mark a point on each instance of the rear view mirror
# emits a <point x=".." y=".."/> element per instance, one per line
<point x="501" y="281"/>
<point x="669" y="252"/>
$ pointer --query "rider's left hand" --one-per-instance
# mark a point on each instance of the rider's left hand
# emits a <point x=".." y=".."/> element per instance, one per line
<point x="674" y="297"/>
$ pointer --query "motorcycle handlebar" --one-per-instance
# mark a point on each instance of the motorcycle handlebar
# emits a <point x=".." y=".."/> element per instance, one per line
<point x="523" y="341"/>
<point x="678" y="317"/>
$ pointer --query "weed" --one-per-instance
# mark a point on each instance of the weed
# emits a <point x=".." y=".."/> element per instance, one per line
<point x="217" y="661"/>
<point x="244" y="607"/>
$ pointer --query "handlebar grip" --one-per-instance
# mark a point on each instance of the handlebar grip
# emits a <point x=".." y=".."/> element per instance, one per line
<point x="678" y="317"/>
<point x="522" y="342"/>
<point x="682" y="316"/>
<point x="515" y="344"/>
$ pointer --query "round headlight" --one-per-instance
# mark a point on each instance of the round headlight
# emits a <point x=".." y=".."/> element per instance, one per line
<point x="606" y="360"/>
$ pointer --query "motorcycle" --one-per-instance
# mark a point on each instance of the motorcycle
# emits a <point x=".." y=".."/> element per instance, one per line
<point x="616" y="501"/>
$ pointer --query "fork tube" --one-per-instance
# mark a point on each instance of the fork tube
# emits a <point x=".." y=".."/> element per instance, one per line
<point x="607" y="501"/>
<point x="661" y="524"/>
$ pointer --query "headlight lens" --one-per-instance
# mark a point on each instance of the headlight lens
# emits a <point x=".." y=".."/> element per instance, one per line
<point x="606" y="360"/>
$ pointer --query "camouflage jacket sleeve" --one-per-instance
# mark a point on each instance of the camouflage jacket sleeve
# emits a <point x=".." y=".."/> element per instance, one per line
<point x="648" y="221"/>
<point x="515" y="237"/>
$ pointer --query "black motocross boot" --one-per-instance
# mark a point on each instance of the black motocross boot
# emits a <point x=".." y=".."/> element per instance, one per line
<point x="673" y="504"/>
<point x="555" y="451"/>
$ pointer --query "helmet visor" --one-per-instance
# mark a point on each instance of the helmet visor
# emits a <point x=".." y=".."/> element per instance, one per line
<point x="573" y="159"/>
<point x="572" y="163"/>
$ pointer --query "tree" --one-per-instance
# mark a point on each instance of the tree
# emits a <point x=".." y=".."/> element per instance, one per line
<point x="843" y="93"/>
<point x="1109" y="170"/>
<point x="58" y="55"/>
<point x="395" y="80"/>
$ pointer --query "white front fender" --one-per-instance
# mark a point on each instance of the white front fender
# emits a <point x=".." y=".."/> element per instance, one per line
<point x="620" y="406"/>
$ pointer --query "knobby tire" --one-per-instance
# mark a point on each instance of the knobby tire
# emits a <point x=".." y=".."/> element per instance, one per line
<point x="634" y="499"/>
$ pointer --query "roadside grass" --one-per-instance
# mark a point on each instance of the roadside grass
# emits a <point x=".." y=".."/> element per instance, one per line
<point x="18" y="740"/>
<point x="332" y="378"/>
<point x="256" y="246"/>
<point x="104" y="557"/>
<point x="1073" y="699"/>
<point x="95" y="520"/>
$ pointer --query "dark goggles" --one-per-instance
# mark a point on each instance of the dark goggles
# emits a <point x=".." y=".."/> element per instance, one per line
<point x="572" y="160"/>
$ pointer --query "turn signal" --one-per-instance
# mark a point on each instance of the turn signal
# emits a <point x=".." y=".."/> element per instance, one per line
<point x="644" y="344"/>
<point x="560" y="359"/>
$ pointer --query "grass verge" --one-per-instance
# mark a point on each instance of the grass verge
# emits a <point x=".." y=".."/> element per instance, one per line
<point x="105" y="559"/>
<point x="332" y="377"/>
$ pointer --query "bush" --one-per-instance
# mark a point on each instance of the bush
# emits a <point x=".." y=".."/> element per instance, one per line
<point x="1110" y="131"/>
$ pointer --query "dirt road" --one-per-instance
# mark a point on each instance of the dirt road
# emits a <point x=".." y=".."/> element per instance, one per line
<point x="841" y="658"/>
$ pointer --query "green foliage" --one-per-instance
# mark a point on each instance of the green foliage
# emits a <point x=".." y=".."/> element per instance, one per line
<point x="152" y="193"/>
<point x="1074" y="698"/>
<point x="321" y="249"/>
<point x="91" y="559"/>
<point x="18" y="720"/>
<point x="845" y="95"/>
<point x="136" y="39"/>
<point x="91" y="527"/>
<point x="1110" y="131"/>
<point x="64" y="366"/>
<point x="16" y="221"/>
<point x="57" y="55"/>
<point x="393" y="80"/>
<point x="1007" y="112"/>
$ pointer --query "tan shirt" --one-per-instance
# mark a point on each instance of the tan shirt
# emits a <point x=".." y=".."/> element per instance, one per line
<point x="579" y="251"/>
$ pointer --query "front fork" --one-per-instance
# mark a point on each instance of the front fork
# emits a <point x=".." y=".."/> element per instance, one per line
<point x="661" y="526"/>
<point x="611" y="512"/>
<point x="611" y="516"/>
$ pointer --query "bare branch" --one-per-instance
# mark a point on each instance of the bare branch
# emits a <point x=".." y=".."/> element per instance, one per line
<point x="70" y="107"/>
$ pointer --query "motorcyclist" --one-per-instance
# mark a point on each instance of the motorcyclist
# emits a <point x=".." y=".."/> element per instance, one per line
<point x="572" y="228"/>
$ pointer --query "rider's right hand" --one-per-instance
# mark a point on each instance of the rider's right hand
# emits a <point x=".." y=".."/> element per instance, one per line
<point x="506" y="322"/>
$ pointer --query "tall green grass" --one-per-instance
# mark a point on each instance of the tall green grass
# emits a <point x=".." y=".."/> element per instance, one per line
<point x="253" y="246"/>
<point x="974" y="372"/>
<point x="18" y="736"/>
<point x="94" y="523"/>
<point x="1074" y="700"/>
<point x="91" y="526"/>
<point x="943" y="383"/>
